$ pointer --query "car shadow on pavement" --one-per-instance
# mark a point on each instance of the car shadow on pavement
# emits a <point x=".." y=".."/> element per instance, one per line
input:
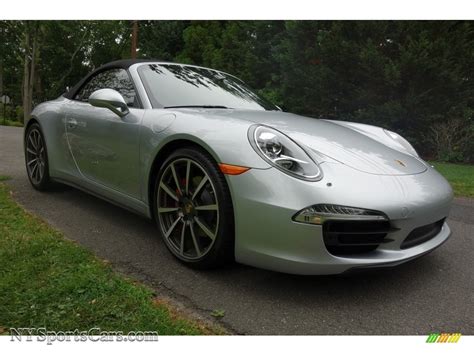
<point x="357" y="281"/>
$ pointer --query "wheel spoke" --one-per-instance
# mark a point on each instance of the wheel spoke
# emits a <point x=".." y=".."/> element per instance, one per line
<point x="35" y="165"/>
<point x="206" y="208"/>
<point x="38" y="140"/>
<point x="205" y="228"/>
<point x="201" y="184"/>
<point x="193" y="236"/>
<point x="29" y="150"/>
<point x="33" y="143"/>
<point x="168" y="191"/>
<point x="37" y="173"/>
<point x="170" y="230"/>
<point x="32" y="161"/>
<point x="35" y="138"/>
<point x="188" y="169"/>
<point x="175" y="177"/>
<point x="183" y="232"/>
<point x="34" y="171"/>
<point x="167" y="209"/>
<point x="40" y="171"/>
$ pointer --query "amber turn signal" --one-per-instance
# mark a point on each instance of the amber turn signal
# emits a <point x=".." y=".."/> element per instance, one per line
<point x="232" y="169"/>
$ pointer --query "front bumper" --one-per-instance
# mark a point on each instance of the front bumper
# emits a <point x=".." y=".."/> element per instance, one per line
<point x="265" y="201"/>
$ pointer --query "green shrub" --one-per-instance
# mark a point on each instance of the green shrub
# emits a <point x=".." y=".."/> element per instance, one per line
<point x="19" y="113"/>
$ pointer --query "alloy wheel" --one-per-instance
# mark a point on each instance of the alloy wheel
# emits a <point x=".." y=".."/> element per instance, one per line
<point x="35" y="156"/>
<point x="188" y="209"/>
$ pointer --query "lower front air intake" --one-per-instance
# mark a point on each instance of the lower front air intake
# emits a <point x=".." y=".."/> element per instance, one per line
<point x="354" y="237"/>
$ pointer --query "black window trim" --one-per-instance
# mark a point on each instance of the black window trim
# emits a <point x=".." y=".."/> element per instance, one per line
<point x="97" y="72"/>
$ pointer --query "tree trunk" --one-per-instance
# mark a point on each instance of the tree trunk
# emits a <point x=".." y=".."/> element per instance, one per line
<point x="134" y="39"/>
<point x="26" y="75"/>
<point x="29" y="67"/>
<point x="1" y="75"/>
<point x="34" y="59"/>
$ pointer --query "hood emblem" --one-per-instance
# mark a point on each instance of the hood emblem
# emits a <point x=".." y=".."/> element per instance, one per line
<point x="399" y="162"/>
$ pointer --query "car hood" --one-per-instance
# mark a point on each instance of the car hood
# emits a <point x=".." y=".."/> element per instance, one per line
<point x="366" y="151"/>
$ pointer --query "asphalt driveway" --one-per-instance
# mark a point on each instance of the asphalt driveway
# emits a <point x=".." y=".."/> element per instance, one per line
<point x="434" y="293"/>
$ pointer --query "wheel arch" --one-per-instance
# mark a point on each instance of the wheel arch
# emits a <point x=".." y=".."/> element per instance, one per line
<point x="31" y="120"/>
<point x="160" y="157"/>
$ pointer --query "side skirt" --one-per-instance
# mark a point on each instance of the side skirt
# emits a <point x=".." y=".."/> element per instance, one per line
<point x="140" y="209"/>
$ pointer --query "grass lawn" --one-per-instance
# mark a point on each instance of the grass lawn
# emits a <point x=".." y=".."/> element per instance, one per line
<point x="461" y="177"/>
<point x="48" y="281"/>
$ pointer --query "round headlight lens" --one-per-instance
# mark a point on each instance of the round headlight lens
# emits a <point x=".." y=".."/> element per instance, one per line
<point x="283" y="153"/>
<point x="269" y="144"/>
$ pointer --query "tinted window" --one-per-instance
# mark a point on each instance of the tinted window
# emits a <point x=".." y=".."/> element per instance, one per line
<point x="171" y="85"/>
<point x="116" y="79"/>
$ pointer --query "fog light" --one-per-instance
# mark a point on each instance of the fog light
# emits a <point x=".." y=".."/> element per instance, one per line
<point x="318" y="214"/>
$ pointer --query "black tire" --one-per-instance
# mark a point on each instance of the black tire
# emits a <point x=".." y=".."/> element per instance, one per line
<point x="221" y="251"/>
<point x="42" y="181"/>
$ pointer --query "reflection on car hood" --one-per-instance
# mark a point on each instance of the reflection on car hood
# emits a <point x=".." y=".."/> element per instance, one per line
<point x="364" y="152"/>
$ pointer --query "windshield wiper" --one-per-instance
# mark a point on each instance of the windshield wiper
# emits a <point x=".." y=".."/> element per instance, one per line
<point x="198" y="106"/>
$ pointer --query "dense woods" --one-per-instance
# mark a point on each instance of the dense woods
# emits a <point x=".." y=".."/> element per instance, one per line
<point x="414" y="77"/>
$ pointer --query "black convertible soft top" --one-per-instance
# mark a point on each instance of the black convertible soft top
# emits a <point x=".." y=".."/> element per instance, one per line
<point x="118" y="64"/>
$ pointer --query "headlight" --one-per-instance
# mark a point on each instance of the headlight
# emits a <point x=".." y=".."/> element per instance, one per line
<point x="283" y="153"/>
<point x="318" y="214"/>
<point x="402" y="142"/>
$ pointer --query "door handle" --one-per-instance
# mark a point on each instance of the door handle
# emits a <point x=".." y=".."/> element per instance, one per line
<point x="71" y="123"/>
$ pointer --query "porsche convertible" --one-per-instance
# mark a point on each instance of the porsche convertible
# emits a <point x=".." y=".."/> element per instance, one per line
<point x="229" y="176"/>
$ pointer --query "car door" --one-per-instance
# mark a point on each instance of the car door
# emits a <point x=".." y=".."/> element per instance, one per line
<point x="105" y="147"/>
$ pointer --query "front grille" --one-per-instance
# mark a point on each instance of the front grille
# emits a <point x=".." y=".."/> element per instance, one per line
<point x="343" y="237"/>
<point x="422" y="234"/>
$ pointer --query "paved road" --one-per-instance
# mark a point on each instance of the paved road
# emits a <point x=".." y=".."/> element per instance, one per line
<point x="434" y="293"/>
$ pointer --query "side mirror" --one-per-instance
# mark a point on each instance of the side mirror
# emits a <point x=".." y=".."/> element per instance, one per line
<point x="110" y="99"/>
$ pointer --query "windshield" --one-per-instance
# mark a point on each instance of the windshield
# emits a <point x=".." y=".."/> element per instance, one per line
<point x="175" y="85"/>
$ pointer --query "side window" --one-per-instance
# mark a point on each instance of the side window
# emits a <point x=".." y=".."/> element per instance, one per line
<point x="116" y="79"/>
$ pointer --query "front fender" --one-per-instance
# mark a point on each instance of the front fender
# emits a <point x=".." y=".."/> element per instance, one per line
<point x="225" y="140"/>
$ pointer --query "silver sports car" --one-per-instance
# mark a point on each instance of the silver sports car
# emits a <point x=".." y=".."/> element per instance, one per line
<point x="227" y="175"/>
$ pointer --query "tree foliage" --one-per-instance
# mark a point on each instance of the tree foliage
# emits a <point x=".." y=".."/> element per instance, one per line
<point x="414" y="77"/>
